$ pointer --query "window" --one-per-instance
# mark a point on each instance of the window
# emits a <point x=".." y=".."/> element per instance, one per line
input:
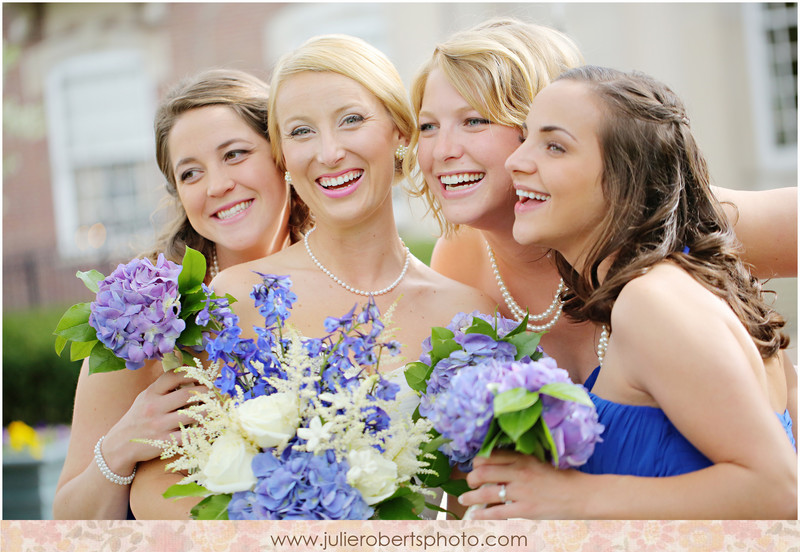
<point x="772" y="37"/>
<point x="105" y="182"/>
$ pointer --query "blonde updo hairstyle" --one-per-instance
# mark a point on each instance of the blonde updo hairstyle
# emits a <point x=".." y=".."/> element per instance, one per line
<point x="498" y="67"/>
<point x="355" y="59"/>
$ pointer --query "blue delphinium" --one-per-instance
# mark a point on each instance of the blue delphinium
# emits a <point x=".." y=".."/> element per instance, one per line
<point x="136" y="311"/>
<point x="299" y="486"/>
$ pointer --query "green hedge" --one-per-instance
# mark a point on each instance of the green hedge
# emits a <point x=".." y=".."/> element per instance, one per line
<point x="38" y="385"/>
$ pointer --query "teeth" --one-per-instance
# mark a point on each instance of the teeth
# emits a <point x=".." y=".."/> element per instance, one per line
<point x="238" y="208"/>
<point x="533" y="195"/>
<point x="461" y="179"/>
<point x="339" y="180"/>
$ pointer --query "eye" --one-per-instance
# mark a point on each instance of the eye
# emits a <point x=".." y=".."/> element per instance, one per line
<point x="188" y="176"/>
<point x="299" y="132"/>
<point x="352" y="119"/>
<point x="554" y="147"/>
<point x="236" y="155"/>
<point x="476" y="121"/>
<point x="423" y="127"/>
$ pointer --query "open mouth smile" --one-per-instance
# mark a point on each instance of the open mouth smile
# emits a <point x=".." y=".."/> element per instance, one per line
<point x="233" y="211"/>
<point x="524" y="196"/>
<point x="333" y="183"/>
<point x="462" y="181"/>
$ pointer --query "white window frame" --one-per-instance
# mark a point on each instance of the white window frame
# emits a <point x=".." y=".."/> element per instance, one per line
<point x="772" y="156"/>
<point x="136" y="146"/>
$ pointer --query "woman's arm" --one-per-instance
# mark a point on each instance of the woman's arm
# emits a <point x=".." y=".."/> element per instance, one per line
<point x="766" y="224"/>
<point x="122" y="405"/>
<point x="147" y="501"/>
<point x="694" y="363"/>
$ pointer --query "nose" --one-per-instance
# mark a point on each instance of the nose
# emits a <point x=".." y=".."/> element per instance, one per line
<point x="520" y="161"/>
<point x="220" y="182"/>
<point x="446" y="145"/>
<point x="330" y="151"/>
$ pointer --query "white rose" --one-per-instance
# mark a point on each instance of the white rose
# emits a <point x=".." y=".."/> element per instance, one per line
<point x="270" y="420"/>
<point x="372" y="475"/>
<point x="228" y="468"/>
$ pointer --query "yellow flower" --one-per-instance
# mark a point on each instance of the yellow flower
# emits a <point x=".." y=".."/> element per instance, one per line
<point x="22" y="435"/>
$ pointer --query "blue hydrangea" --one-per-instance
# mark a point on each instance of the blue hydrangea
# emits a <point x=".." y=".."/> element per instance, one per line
<point x="136" y="312"/>
<point x="463" y="411"/>
<point x="299" y="486"/>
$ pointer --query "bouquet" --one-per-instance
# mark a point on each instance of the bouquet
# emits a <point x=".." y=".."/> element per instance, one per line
<point x="300" y="428"/>
<point x="140" y="312"/>
<point x="486" y="384"/>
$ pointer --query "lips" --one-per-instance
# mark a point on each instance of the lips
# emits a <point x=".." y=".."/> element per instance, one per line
<point x="461" y="181"/>
<point x="225" y="214"/>
<point x="339" y="181"/>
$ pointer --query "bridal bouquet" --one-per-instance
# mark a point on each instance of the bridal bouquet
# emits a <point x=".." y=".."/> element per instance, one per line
<point x="141" y="312"/>
<point x="300" y="428"/>
<point x="486" y="384"/>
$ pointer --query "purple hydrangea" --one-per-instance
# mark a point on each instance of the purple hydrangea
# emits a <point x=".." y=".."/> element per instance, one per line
<point x="136" y="311"/>
<point x="299" y="486"/>
<point x="464" y="410"/>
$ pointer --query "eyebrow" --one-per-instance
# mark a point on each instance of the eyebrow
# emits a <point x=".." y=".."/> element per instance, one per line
<point x="554" y="128"/>
<point x="222" y="146"/>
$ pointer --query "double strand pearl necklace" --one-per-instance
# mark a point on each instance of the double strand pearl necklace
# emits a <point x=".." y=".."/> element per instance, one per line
<point x="351" y="289"/>
<point x="602" y="344"/>
<point x="214" y="268"/>
<point x="553" y="312"/>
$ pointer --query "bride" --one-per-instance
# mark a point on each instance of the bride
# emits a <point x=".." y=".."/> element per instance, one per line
<point x="339" y="122"/>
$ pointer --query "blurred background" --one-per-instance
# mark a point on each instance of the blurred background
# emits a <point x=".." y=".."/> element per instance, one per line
<point x="80" y="182"/>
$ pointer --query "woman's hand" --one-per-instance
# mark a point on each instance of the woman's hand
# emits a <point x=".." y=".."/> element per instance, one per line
<point x="533" y="489"/>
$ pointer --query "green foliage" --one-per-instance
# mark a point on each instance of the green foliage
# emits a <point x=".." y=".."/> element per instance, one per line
<point x="38" y="385"/>
<point x="421" y="248"/>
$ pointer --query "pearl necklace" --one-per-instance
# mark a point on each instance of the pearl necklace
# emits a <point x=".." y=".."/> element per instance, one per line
<point x="351" y="289"/>
<point x="553" y="311"/>
<point x="602" y="344"/>
<point x="214" y="268"/>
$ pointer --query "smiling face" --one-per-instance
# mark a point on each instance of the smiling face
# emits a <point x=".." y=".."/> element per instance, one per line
<point x="338" y="143"/>
<point x="557" y="171"/>
<point x="228" y="183"/>
<point x="462" y="155"/>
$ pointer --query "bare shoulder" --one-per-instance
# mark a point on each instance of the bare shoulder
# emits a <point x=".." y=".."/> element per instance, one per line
<point x="459" y="255"/>
<point x="239" y="280"/>
<point x="448" y="292"/>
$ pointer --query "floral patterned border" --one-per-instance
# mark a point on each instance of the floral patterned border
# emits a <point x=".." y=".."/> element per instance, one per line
<point x="434" y="536"/>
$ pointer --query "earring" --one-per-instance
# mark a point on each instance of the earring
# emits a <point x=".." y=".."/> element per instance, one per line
<point x="400" y="152"/>
<point x="287" y="178"/>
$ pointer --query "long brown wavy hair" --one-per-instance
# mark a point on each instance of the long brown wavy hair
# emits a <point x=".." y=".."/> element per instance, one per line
<point x="248" y="97"/>
<point x="660" y="206"/>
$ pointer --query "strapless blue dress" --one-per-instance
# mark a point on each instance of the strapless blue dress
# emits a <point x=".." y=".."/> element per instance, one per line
<point x="642" y="441"/>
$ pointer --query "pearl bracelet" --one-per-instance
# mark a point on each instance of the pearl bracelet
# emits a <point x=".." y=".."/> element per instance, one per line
<point x="110" y="475"/>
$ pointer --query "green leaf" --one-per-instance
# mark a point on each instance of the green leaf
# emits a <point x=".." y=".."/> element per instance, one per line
<point x="417" y="375"/>
<point x="516" y="424"/>
<point x="402" y="507"/>
<point x="191" y="335"/>
<point x="481" y="326"/>
<point x="530" y="443"/>
<point x="549" y="444"/>
<point x="442" y="344"/>
<point x="490" y="441"/>
<point x="513" y="400"/>
<point x="441" y="465"/>
<point x="90" y="279"/>
<point x="193" y="271"/>
<point x="172" y="360"/>
<point x="192" y="303"/>
<point x="61" y="342"/>
<point x="521" y="327"/>
<point x="526" y="344"/>
<point x="214" y="507"/>
<point x="455" y="487"/>
<point x="185" y="489"/>
<point x="567" y="392"/>
<point x="80" y="350"/>
<point x="103" y="360"/>
<point x="74" y="324"/>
